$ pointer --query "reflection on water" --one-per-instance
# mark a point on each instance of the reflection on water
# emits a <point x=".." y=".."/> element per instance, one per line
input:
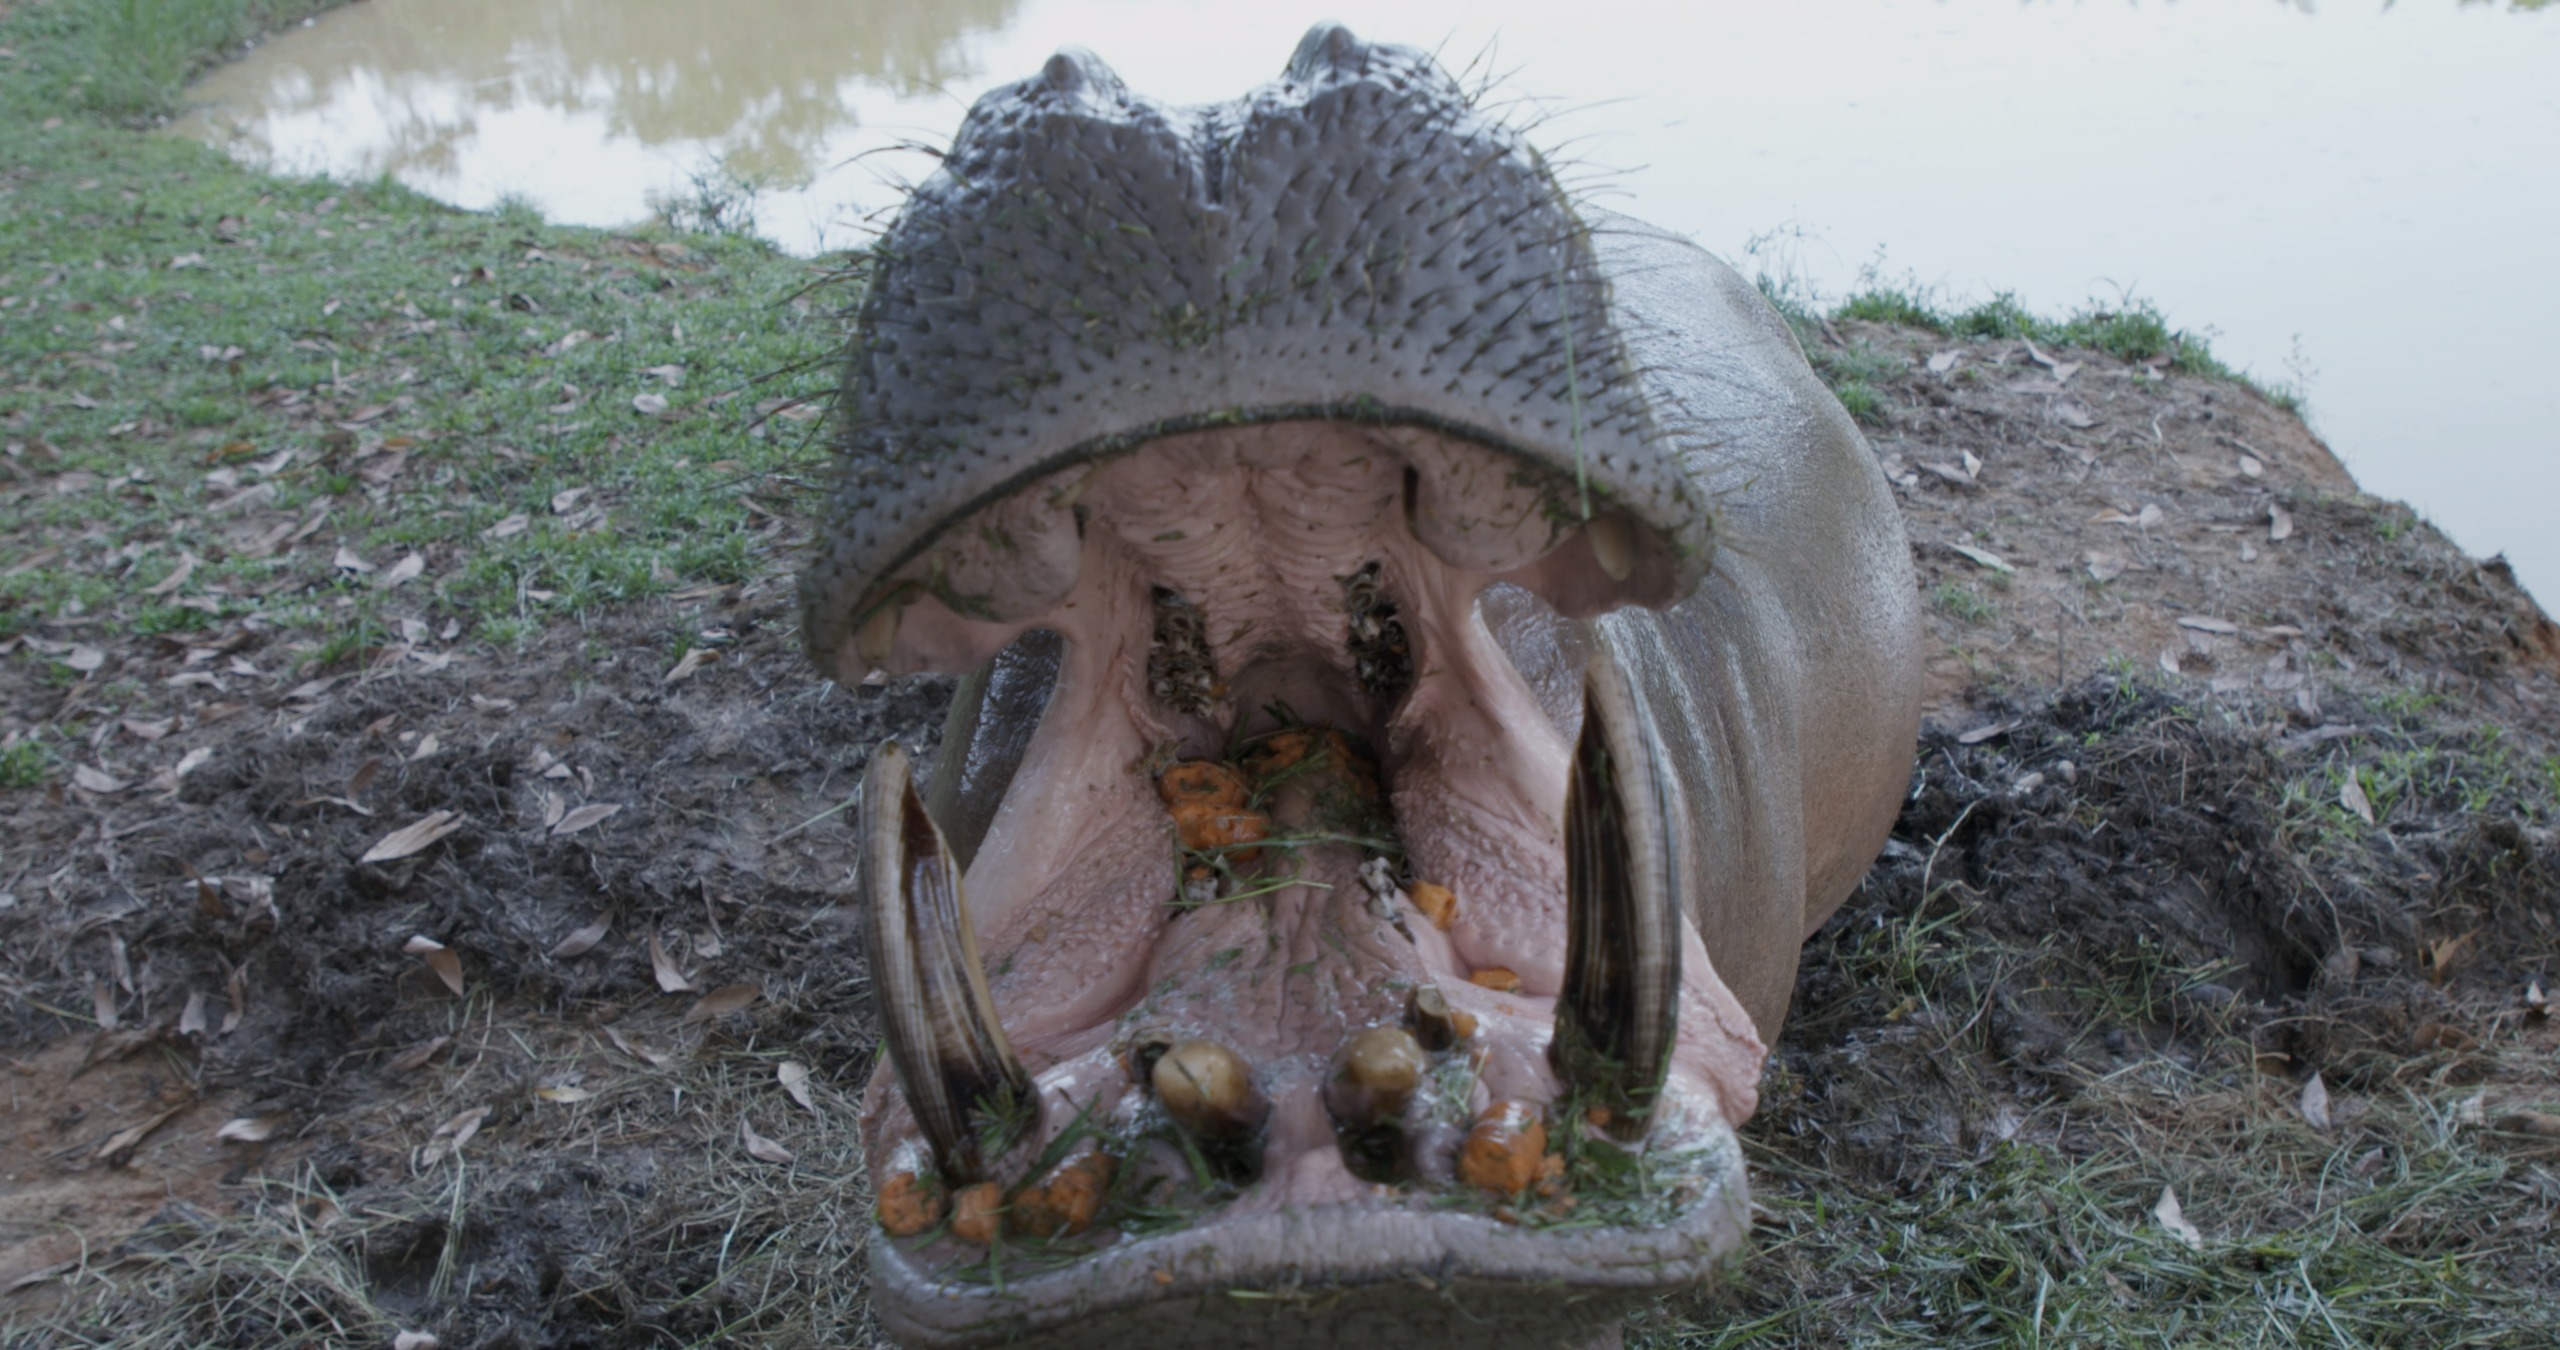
<point x="2359" y="192"/>
<point x="441" y="94"/>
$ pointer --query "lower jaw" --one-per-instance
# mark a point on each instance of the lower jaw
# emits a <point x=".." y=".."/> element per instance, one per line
<point x="1367" y="1273"/>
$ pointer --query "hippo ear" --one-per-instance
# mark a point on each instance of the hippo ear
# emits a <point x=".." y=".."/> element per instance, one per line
<point x="1079" y="76"/>
<point x="1327" y="49"/>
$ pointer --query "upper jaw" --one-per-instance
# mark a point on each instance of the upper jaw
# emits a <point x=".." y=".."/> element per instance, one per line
<point x="1091" y="270"/>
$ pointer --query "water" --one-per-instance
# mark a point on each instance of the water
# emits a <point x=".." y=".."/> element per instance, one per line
<point x="2357" y="199"/>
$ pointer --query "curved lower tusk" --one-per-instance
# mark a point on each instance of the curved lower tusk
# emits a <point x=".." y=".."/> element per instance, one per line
<point x="1618" y="1013"/>
<point x="970" y="1095"/>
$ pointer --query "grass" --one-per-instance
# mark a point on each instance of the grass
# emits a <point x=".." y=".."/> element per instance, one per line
<point x="2131" y="328"/>
<point x="298" y="384"/>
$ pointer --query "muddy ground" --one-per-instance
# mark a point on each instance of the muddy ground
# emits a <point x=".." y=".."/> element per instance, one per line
<point x="242" y="1104"/>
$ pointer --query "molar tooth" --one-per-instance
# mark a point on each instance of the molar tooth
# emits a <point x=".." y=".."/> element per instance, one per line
<point x="1435" y="1025"/>
<point x="1613" y="546"/>
<point x="1617" y="1015"/>
<point x="1208" y="1089"/>
<point x="969" y="1094"/>
<point x="1374" y="1077"/>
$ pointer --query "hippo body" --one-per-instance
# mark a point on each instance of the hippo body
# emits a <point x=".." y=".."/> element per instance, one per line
<point x="1547" y="624"/>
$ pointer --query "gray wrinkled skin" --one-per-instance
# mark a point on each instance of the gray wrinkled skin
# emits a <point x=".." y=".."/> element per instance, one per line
<point x="1091" y="270"/>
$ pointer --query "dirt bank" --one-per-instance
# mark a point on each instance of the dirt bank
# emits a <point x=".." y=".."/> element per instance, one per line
<point x="2232" y="777"/>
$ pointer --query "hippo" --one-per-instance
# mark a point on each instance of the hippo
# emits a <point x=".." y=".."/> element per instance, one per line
<point x="1431" y="651"/>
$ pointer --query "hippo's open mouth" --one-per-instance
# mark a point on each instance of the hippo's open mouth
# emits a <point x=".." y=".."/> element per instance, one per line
<point x="1292" y="936"/>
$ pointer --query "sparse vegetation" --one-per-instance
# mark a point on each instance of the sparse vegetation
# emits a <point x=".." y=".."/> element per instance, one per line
<point x="2112" y="943"/>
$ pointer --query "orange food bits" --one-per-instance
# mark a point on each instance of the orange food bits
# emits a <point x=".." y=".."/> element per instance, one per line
<point x="909" y="1204"/>
<point x="1506" y="1150"/>
<point x="1201" y="782"/>
<point x="977" y="1212"/>
<point x="1464" y="1024"/>
<point x="1065" y="1201"/>
<point x="1499" y="979"/>
<point x="1438" y="903"/>
<point x="1231" y="830"/>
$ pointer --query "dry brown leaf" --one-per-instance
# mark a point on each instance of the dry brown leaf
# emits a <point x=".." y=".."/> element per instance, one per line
<point x="670" y="979"/>
<point x="2447" y="953"/>
<point x="655" y="1059"/>
<point x="85" y="659"/>
<point x="451" y="1136"/>
<point x="118" y="1150"/>
<point x="582" y="941"/>
<point x="2279" y="523"/>
<point x="89" y="778"/>
<point x="794" y="1077"/>
<point x="415" y="1057"/>
<point x="726" y="999"/>
<point x="408" y="569"/>
<point x="416" y="1340"/>
<point x="177" y="576"/>
<point x="2535" y="1004"/>
<point x="191" y="1020"/>
<point x="364" y="775"/>
<point x="2103" y="566"/>
<point x="1984" y="557"/>
<point x="2173" y="1217"/>
<point x="2202" y="624"/>
<point x="2315" y="1102"/>
<point x="2351" y="796"/>
<point x="2252" y="467"/>
<point x="1983" y="733"/>
<point x="512" y="525"/>
<point x="1943" y="362"/>
<point x="347" y="561"/>
<point x="251" y="1129"/>
<point x="649" y="405"/>
<point x="442" y="960"/>
<point x="759" y="1147"/>
<point x="583" y="817"/>
<point x="413" y="837"/>
<point x="565" y="1094"/>
<point x="102" y="1003"/>
<point x="694" y="658"/>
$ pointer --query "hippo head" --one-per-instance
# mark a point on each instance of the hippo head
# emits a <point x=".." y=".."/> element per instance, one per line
<point x="1296" y="940"/>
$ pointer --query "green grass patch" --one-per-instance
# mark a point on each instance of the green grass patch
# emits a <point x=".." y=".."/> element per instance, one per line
<point x="283" y="389"/>
<point x="2130" y="329"/>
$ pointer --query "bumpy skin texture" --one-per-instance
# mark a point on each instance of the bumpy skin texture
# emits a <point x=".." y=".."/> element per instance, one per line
<point x="1091" y="271"/>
